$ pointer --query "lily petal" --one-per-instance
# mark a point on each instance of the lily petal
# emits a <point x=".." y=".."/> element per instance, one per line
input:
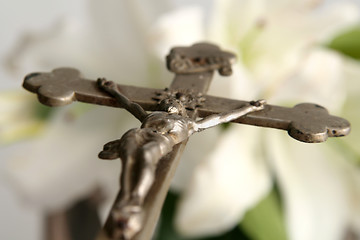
<point x="314" y="187"/>
<point x="231" y="180"/>
<point x="319" y="78"/>
<point x="62" y="166"/>
<point x="180" y="27"/>
<point x="232" y="20"/>
<point x="195" y="151"/>
<point x="104" y="43"/>
<point x="277" y="35"/>
<point x="334" y="19"/>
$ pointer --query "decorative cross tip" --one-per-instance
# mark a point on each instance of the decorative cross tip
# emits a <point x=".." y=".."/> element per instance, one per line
<point x="53" y="88"/>
<point x="313" y="124"/>
<point x="199" y="58"/>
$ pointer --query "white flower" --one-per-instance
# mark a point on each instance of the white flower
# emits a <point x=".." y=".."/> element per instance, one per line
<point x="61" y="165"/>
<point x="279" y="59"/>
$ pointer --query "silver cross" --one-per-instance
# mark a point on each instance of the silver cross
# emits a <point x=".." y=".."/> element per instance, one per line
<point x="194" y="67"/>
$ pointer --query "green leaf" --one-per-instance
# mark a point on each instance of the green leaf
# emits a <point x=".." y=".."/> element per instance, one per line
<point x="166" y="231"/>
<point x="348" y="43"/>
<point x="265" y="221"/>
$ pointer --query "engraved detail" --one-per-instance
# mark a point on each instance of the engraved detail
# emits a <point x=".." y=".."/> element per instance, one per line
<point x="189" y="98"/>
<point x="55" y="88"/>
<point x="199" y="58"/>
<point x="312" y="123"/>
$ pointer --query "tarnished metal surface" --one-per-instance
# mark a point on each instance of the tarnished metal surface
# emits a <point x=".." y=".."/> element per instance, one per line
<point x="305" y="122"/>
<point x="154" y="199"/>
<point x="62" y="86"/>
<point x="191" y="99"/>
<point x="200" y="57"/>
<point x="194" y="67"/>
<point x="140" y="150"/>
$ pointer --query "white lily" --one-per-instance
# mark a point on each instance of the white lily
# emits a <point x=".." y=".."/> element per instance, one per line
<point x="281" y="59"/>
<point x="59" y="166"/>
<point x="98" y="49"/>
<point x="117" y="42"/>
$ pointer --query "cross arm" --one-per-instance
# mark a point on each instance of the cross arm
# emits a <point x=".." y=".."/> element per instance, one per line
<point x="62" y="86"/>
<point x="305" y="122"/>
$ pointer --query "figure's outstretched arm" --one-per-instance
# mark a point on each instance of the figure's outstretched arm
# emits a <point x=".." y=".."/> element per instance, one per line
<point x="216" y="119"/>
<point x="111" y="88"/>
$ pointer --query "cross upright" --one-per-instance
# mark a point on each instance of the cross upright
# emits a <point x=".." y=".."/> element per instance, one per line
<point x="194" y="67"/>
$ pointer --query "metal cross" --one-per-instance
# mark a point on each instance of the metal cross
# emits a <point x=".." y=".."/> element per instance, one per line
<point x="194" y="67"/>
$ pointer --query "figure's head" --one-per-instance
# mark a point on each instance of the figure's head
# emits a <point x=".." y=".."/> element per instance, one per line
<point x="172" y="105"/>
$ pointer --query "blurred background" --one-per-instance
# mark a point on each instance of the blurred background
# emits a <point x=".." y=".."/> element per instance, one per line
<point x="234" y="182"/>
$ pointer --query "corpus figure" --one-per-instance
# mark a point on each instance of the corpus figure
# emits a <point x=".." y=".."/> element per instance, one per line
<point x="140" y="150"/>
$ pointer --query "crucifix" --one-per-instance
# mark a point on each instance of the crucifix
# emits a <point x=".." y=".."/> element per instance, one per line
<point x="151" y="153"/>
